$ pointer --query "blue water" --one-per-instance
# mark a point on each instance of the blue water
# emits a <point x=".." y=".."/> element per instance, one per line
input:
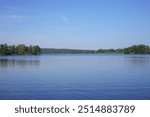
<point x="75" y="76"/>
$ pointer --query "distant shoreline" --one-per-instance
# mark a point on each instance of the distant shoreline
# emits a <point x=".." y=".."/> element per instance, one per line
<point x="22" y="49"/>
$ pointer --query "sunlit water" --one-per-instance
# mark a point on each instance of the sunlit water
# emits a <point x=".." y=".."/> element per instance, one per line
<point x="75" y="76"/>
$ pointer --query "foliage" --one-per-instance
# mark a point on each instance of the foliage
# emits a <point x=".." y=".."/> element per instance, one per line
<point x="20" y="49"/>
<point x="109" y="51"/>
<point x="68" y="51"/>
<point x="137" y="49"/>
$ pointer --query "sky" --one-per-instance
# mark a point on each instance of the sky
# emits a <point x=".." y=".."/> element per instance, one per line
<point x="75" y="24"/>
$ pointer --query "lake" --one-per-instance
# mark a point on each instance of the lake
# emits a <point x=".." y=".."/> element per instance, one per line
<point x="75" y="77"/>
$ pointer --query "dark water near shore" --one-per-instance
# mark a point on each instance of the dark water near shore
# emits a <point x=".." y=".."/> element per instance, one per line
<point x="75" y="76"/>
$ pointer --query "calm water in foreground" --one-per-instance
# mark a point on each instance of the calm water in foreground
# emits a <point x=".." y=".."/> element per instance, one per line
<point x="75" y="76"/>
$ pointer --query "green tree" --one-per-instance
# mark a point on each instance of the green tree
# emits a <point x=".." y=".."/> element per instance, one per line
<point x="137" y="49"/>
<point x="12" y="50"/>
<point x="4" y="49"/>
<point x="21" y="49"/>
<point x="37" y="50"/>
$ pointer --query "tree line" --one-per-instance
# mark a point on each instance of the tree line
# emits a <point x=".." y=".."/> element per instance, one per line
<point x="66" y="51"/>
<point x="135" y="49"/>
<point x="20" y="49"/>
<point x="110" y="51"/>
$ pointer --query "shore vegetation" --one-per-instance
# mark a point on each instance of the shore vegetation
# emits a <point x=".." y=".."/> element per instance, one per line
<point x="20" y="49"/>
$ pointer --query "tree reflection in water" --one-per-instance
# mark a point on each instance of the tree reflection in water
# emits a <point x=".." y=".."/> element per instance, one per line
<point x="12" y="63"/>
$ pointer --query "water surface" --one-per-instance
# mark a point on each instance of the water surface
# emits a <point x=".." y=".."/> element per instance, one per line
<point x="75" y="76"/>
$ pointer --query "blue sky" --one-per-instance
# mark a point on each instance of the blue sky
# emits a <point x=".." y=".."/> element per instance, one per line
<point x="81" y="24"/>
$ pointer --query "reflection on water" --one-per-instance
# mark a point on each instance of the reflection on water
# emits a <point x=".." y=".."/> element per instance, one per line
<point x="7" y="63"/>
<point x="101" y="76"/>
<point x="138" y="60"/>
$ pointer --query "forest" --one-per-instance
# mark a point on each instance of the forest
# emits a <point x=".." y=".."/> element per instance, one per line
<point x="137" y="49"/>
<point x="20" y="49"/>
<point x="134" y="49"/>
<point x="68" y="51"/>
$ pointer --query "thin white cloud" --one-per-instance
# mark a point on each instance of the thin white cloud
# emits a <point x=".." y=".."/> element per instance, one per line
<point x="15" y="17"/>
<point x="7" y="19"/>
<point x="65" y="19"/>
<point x="10" y="15"/>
